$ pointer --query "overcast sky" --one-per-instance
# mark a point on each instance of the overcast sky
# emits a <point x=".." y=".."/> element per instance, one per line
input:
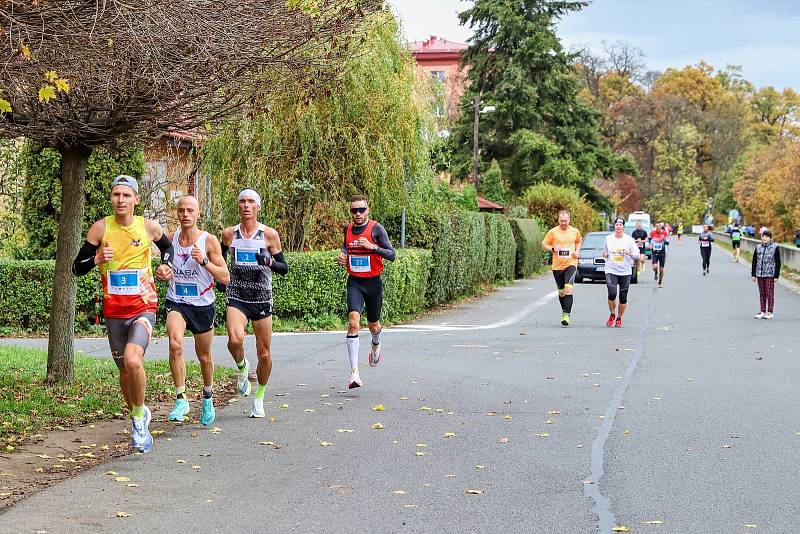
<point x="763" y="36"/>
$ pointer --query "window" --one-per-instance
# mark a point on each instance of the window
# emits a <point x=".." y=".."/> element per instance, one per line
<point x="438" y="74"/>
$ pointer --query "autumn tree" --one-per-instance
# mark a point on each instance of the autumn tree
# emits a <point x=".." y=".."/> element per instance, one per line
<point x="79" y="74"/>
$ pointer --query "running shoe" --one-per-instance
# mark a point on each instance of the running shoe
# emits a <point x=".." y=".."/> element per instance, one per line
<point x="375" y="356"/>
<point x="141" y="439"/>
<point x="618" y="322"/>
<point x="768" y="315"/>
<point x="355" y="381"/>
<point x="257" y="410"/>
<point x="705" y="272"/>
<point x="610" y="321"/>
<point x="207" y="412"/>
<point x="655" y="275"/>
<point x="180" y="410"/>
<point x="243" y="383"/>
<point x="565" y="320"/>
<point x="660" y="284"/>
<point x="760" y="315"/>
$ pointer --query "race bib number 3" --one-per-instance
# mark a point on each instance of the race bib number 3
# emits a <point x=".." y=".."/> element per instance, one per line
<point x="186" y="291"/>
<point x="359" y="264"/>
<point x="565" y="253"/>
<point x="246" y="256"/>
<point x="123" y="282"/>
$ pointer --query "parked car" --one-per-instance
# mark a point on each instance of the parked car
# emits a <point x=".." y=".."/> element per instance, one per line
<point x="591" y="263"/>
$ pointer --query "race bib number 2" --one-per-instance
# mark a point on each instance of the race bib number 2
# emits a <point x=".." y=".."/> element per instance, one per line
<point x="123" y="282"/>
<point x="359" y="264"/>
<point x="246" y="256"/>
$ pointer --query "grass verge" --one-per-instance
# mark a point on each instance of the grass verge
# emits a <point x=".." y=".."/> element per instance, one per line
<point x="28" y="406"/>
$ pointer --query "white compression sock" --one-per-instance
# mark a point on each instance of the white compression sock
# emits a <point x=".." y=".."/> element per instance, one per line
<point x="376" y="338"/>
<point x="352" y="351"/>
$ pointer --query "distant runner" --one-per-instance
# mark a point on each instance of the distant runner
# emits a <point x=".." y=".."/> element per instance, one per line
<point x="640" y="236"/>
<point x="564" y="241"/>
<point x="255" y="254"/>
<point x="366" y="245"/>
<point x="705" y="239"/>
<point x="659" y="242"/>
<point x="190" y="304"/>
<point x="736" y="240"/>
<point x="130" y="299"/>
<point x="621" y="254"/>
<point x="679" y="231"/>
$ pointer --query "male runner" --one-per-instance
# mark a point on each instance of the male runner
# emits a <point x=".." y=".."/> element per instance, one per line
<point x="255" y="254"/>
<point x="190" y="304"/>
<point x="640" y="236"/>
<point x="736" y="240"/>
<point x="564" y="241"/>
<point x="659" y="242"/>
<point x="679" y="231"/>
<point x="130" y="299"/>
<point x="621" y="254"/>
<point x="366" y="245"/>
<point x="705" y="239"/>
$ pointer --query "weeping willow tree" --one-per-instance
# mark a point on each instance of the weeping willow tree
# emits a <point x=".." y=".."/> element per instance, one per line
<point x="307" y="149"/>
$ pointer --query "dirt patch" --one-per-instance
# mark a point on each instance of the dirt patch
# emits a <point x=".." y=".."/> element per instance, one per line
<point x="57" y="455"/>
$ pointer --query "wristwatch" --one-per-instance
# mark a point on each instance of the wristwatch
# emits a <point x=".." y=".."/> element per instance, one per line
<point x="204" y="262"/>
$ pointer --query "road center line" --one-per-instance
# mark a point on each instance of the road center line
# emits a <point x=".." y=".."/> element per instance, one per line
<point x="601" y="504"/>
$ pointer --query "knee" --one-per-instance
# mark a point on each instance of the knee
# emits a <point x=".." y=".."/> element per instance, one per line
<point x="568" y="290"/>
<point x="204" y="358"/>
<point x="133" y="363"/>
<point x="175" y="347"/>
<point x="353" y="323"/>
<point x="263" y="352"/>
<point x="235" y="342"/>
<point x="623" y="297"/>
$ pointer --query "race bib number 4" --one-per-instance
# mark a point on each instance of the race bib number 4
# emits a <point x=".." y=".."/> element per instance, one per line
<point x="246" y="256"/>
<point x="359" y="264"/>
<point x="186" y="291"/>
<point x="123" y="282"/>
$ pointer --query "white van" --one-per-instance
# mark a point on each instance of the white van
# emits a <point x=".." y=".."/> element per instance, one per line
<point x="639" y="216"/>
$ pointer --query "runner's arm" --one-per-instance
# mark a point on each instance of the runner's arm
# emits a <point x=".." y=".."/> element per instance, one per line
<point x="216" y="262"/>
<point x="277" y="262"/>
<point x="384" y="248"/>
<point x="160" y="239"/>
<point x="86" y="258"/>
<point x="753" y="265"/>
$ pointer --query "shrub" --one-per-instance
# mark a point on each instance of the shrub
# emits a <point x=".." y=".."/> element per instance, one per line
<point x="544" y="201"/>
<point x="528" y="235"/>
<point x="506" y="250"/>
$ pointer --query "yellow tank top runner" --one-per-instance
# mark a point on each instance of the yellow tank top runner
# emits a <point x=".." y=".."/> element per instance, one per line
<point x="128" y="285"/>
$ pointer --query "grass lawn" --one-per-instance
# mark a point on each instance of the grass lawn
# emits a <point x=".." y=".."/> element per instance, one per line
<point x="27" y="406"/>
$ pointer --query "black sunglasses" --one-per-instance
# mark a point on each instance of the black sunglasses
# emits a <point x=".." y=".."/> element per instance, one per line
<point x="357" y="210"/>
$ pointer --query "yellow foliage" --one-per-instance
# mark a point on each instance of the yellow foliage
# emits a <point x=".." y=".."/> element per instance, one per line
<point x="26" y="52"/>
<point x="51" y="76"/>
<point x="5" y="106"/>
<point x="46" y="93"/>
<point x="62" y="85"/>
<point x="694" y="83"/>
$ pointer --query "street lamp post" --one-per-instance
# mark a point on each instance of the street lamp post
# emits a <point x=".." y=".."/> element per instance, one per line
<point x="475" y="148"/>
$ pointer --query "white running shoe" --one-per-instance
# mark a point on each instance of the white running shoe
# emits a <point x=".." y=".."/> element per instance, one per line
<point x="243" y="382"/>
<point x="141" y="439"/>
<point x="375" y="356"/>
<point x="768" y="315"/>
<point x="760" y="315"/>
<point x="258" y="407"/>
<point x="355" y="381"/>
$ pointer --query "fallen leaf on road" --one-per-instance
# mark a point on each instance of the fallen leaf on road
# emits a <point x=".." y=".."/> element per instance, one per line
<point x="726" y="446"/>
<point x="503" y="440"/>
<point x="409" y="506"/>
<point x="123" y="514"/>
<point x="284" y="406"/>
<point x="626" y="432"/>
<point x="379" y="407"/>
<point x="377" y="426"/>
<point x="398" y="492"/>
<point x="480" y="467"/>
<point x="343" y="430"/>
<point x="205" y="454"/>
<point x="422" y="445"/>
<point x="180" y="461"/>
<point x="449" y="435"/>
<point x="587" y="482"/>
<point x="325" y="443"/>
<point x="196" y="467"/>
<point x="133" y="485"/>
<point x="654" y="522"/>
<point x="424" y="409"/>
<point x="751" y="526"/>
<point x="309" y="410"/>
<point x="403" y="398"/>
<point x="420" y="453"/>
<point x="215" y="430"/>
<point x="474" y="492"/>
<point x="43" y="456"/>
<point x="507" y="417"/>
<point x="553" y="412"/>
<point x="156" y="432"/>
<point x="549" y="422"/>
<point x="111" y="473"/>
<point x="450" y="476"/>
<point x="122" y="479"/>
<point x="621" y="528"/>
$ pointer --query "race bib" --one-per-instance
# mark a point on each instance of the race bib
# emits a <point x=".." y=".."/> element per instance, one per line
<point x="186" y="290"/>
<point x="658" y="245"/>
<point x="246" y="256"/>
<point x="565" y="253"/>
<point x="705" y="243"/>
<point x="359" y="264"/>
<point x="123" y="282"/>
<point x="618" y="258"/>
<point x="736" y="236"/>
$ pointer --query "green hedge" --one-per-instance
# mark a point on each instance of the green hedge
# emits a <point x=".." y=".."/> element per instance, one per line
<point x="314" y="286"/>
<point x="528" y="235"/>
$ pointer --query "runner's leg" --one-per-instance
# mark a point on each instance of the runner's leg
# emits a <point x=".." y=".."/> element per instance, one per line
<point x="263" y="331"/>
<point x="202" y="346"/>
<point x="236" y="322"/>
<point x="176" y="327"/>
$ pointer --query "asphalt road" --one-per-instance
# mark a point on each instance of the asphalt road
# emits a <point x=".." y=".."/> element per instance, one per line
<point x="686" y="420"/>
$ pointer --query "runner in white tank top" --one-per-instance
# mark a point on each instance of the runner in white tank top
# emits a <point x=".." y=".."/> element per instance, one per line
<point x="190" y="305"/>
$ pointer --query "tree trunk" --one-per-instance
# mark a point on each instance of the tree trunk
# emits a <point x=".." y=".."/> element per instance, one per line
<point x="60" y="348"/>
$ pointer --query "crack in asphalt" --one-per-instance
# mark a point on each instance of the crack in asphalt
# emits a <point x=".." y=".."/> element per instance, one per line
<point x="606" y="520"/>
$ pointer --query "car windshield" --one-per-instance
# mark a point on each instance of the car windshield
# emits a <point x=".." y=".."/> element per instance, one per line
<point x="594" y="241"/>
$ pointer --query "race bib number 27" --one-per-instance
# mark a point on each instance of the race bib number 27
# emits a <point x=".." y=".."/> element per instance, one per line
<point x="359" y="264"/>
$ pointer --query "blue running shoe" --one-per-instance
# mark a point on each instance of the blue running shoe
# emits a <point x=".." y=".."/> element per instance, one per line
<point x="141" y="437"/>
<point x="207" y="412"/>
<point x="243" y="382"/>
<point x="180" y="410"/>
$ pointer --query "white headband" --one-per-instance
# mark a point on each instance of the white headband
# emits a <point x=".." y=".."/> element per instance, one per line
<point x="249" y="193"/>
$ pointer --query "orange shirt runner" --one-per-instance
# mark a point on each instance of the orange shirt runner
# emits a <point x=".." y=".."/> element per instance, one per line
<point x="569" y="241"/>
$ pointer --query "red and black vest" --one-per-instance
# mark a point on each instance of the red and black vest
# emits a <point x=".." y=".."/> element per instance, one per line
<point x="362" y="262"/>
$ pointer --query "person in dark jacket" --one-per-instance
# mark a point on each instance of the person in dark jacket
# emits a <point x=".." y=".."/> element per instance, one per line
<point x="765" y="270"/>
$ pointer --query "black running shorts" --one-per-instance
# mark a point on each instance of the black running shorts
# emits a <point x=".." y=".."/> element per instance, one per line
<point x="254" y="311"/>
<point x="199" y="319"/>
<point x="565" y="277"/>
<point x="365" y="292"/>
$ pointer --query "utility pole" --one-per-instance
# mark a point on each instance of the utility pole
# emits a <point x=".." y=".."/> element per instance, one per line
<point x="475" y="140"/>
